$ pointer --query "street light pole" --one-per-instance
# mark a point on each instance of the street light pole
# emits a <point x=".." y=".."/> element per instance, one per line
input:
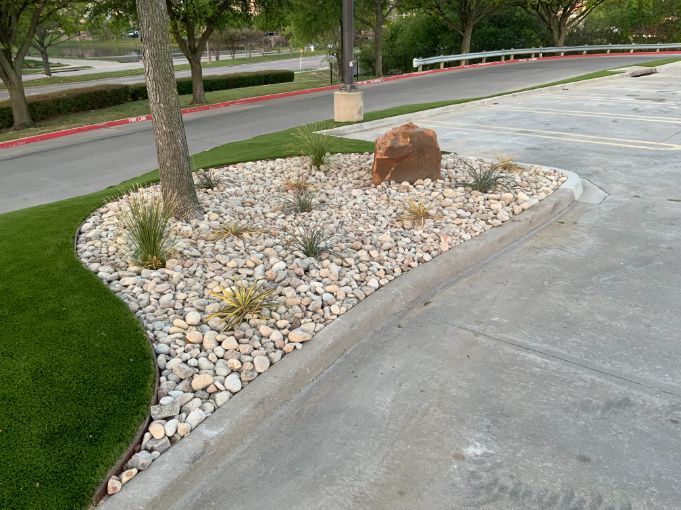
<point x="348" y="104"/>
<point x="348" y="45"/>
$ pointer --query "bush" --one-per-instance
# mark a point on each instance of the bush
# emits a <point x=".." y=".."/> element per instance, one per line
<point x="95" y="98"/>
<point x="313" y="144"/>
<point x="61" y="103"/>
<point x="241" y="302"/>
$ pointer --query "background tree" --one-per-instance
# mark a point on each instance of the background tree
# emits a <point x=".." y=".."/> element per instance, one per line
<point x="177" y="185"/>
<point x="461" y="15"/>
<point x="560" y="16"/>
<point x="19" y="20"/>
<point x="382" y="10"/>
<point x="192" y="22"/>
<point x="55" y="28"/>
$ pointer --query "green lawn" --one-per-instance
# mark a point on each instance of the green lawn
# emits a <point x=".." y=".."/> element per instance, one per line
<point x="76" y="367"/>
<point x="223" y="62"/>
<point x="304" y="80"/>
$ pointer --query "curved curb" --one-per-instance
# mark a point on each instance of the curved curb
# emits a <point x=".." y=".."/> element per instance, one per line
<point x="257" y="99"/>
<point x="193" y="458"/>
<point x="136" y="442"/>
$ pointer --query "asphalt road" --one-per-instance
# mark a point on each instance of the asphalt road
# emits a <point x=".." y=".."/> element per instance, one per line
<point x="71" y="166"/>
<point x="290" y="64"/>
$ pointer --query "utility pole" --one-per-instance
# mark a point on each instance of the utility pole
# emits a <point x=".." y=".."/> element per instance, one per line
<point x="348" y="103"/>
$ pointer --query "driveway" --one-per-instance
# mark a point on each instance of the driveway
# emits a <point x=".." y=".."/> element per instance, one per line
<point x="548" y="378"/>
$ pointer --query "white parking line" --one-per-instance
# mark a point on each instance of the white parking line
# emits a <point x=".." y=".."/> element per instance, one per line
<point x="582" y="113"/>
<point x="557" y="135"/>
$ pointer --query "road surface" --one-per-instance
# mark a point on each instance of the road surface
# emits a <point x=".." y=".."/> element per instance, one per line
<point x="71" y="166"/>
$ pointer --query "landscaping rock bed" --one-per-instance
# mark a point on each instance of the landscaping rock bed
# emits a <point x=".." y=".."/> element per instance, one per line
<point x="372" y="238"/>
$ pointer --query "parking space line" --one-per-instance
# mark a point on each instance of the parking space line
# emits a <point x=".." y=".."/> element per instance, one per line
<point x="557" y="135"/>
<point x="627" y="99"/>
<point x="582" y="113"/>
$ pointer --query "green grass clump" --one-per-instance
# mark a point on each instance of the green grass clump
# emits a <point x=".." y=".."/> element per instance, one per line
<point x="314" y="145"/>
<point x="486" y="178"/>
<point x="146" y="226"/>
<point x="207" y="179"/>
<point x="311" y="242"/>
<point x="301" y="202"/>
<point x="233" y="229"/>
<point x="241" y="302"/>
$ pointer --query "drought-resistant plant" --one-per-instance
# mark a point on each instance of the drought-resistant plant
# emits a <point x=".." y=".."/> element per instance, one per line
<point x="207" y="179"/>
<point x="233" y="229"/>
<point x="418" y="212"/>
<point x="313" y="144"/>
<point x="506" y="164"/>
<point x="486" y="177"/>
<point x="146" y="226"/>
<point x="312" y="241"/>
<point x="301" y="202"/>
<point x="241" y="302"/>
<point x="299" y="184"/>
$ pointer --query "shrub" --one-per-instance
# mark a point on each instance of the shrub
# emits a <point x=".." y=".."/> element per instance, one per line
<point x="486" y="177"/>
<point x="207" y="179"/>
<point x="239" y="302"/>
<point x="302" y="202"/>
<point x="47" y="106"/>
<point x="51" y="105"/>
<point x="312" y="242"/>
<point x="417" y="212"/>
<point x="298" y="184"/>
<point x="316" y="146"/>
<point x="146" y="226"/>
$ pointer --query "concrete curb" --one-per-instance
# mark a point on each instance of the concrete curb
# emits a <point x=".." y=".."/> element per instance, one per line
<point x="215" y="106"/>
<point x="193" y="458"/>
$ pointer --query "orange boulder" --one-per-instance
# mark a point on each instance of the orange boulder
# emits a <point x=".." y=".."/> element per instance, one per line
<point x="406" y="153"/>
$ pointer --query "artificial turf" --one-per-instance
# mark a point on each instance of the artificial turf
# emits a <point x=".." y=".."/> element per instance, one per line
<point x="77" y="371"/>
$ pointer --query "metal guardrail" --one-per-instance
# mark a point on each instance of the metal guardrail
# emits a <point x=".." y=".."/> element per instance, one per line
<point x="539" y="52"/>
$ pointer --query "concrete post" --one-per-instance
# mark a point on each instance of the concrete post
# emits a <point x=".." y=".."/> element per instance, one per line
<point x="348" y="103"/>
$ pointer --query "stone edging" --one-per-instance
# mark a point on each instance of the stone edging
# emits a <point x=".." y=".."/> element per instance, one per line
<point x="191" y="459"/>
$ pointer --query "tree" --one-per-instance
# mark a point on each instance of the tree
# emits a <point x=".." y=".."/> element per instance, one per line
<point x="177" y="185"/>
<point x="461" y="15"/>
<point x="560" y="16"/>
<point x="19" y="20"/>
<point x="58" y="27"/>
<point x="382" y="9"/>
<point x="192" y="22"/>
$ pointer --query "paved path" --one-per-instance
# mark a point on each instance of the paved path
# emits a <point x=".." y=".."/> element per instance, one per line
<point x="70" y="166"/>
<point x="291" y="64"/>
<point x="549" y="378"/>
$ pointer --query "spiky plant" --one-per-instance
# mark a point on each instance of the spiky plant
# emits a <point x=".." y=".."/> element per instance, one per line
<point x="486" y="177"/>
<point x="313" y="144"/>
<point x="241" y="302"/>
<point x="506" y="164"/>
<point x="311" y="241"/>
<point x="146" y="226"/>
<point x="418" y="212"/>
<point x="301" y="202"/>
<point x="299" y="184"/>
<point x="207" y="179"/>
<point x="233" y="229"/>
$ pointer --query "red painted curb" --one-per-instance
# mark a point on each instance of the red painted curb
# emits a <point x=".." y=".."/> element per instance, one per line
<point x="280" y="95"/>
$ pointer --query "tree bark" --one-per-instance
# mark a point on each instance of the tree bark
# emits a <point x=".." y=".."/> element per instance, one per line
<point x="198" y="93"/>
<point x="466" y="36"/>
<point x="378" y="43"/>
<point x="177" y="185"/>
<point x="46" y="62"/>
<point x="18" y="102"/>
<point x="559" y="33"/>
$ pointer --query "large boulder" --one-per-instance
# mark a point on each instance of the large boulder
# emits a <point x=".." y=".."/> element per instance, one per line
<point x="406" y="153"/>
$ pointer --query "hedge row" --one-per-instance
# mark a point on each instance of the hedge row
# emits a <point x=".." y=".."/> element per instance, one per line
<point x="85" y="99"/>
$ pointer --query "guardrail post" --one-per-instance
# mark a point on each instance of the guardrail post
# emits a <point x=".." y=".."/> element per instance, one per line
<point x="532" y="56"/>
<point x="541" y="55"/>
<point x="631" y="50"/>
<point x="420" y="68"/>
<point x="584" y="52"/>
<point x="484" y="59"/>
<point x="442" y="65"/>
<point x="607" y="52"/>
<point x="562" y="53"/>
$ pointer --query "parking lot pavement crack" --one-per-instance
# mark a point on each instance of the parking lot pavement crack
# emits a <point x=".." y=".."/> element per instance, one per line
<point x="580" y="364"/>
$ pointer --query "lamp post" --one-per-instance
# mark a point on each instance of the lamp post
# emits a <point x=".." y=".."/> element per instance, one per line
<point x="348" y="104"/>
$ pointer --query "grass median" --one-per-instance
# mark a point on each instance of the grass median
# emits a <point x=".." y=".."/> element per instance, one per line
<point x="77" y="369"/>
<point x="304" y="80"/>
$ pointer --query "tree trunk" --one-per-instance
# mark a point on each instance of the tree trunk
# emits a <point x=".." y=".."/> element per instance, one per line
<point x="177" y="185"/>
<point x="17" y="101"/>
<point x="559" y="33"/>
<point x="198" y="95"/>
<point x="46" y="62"/>
<point x="466" y="37"/>
<point x="378" y="34"/>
